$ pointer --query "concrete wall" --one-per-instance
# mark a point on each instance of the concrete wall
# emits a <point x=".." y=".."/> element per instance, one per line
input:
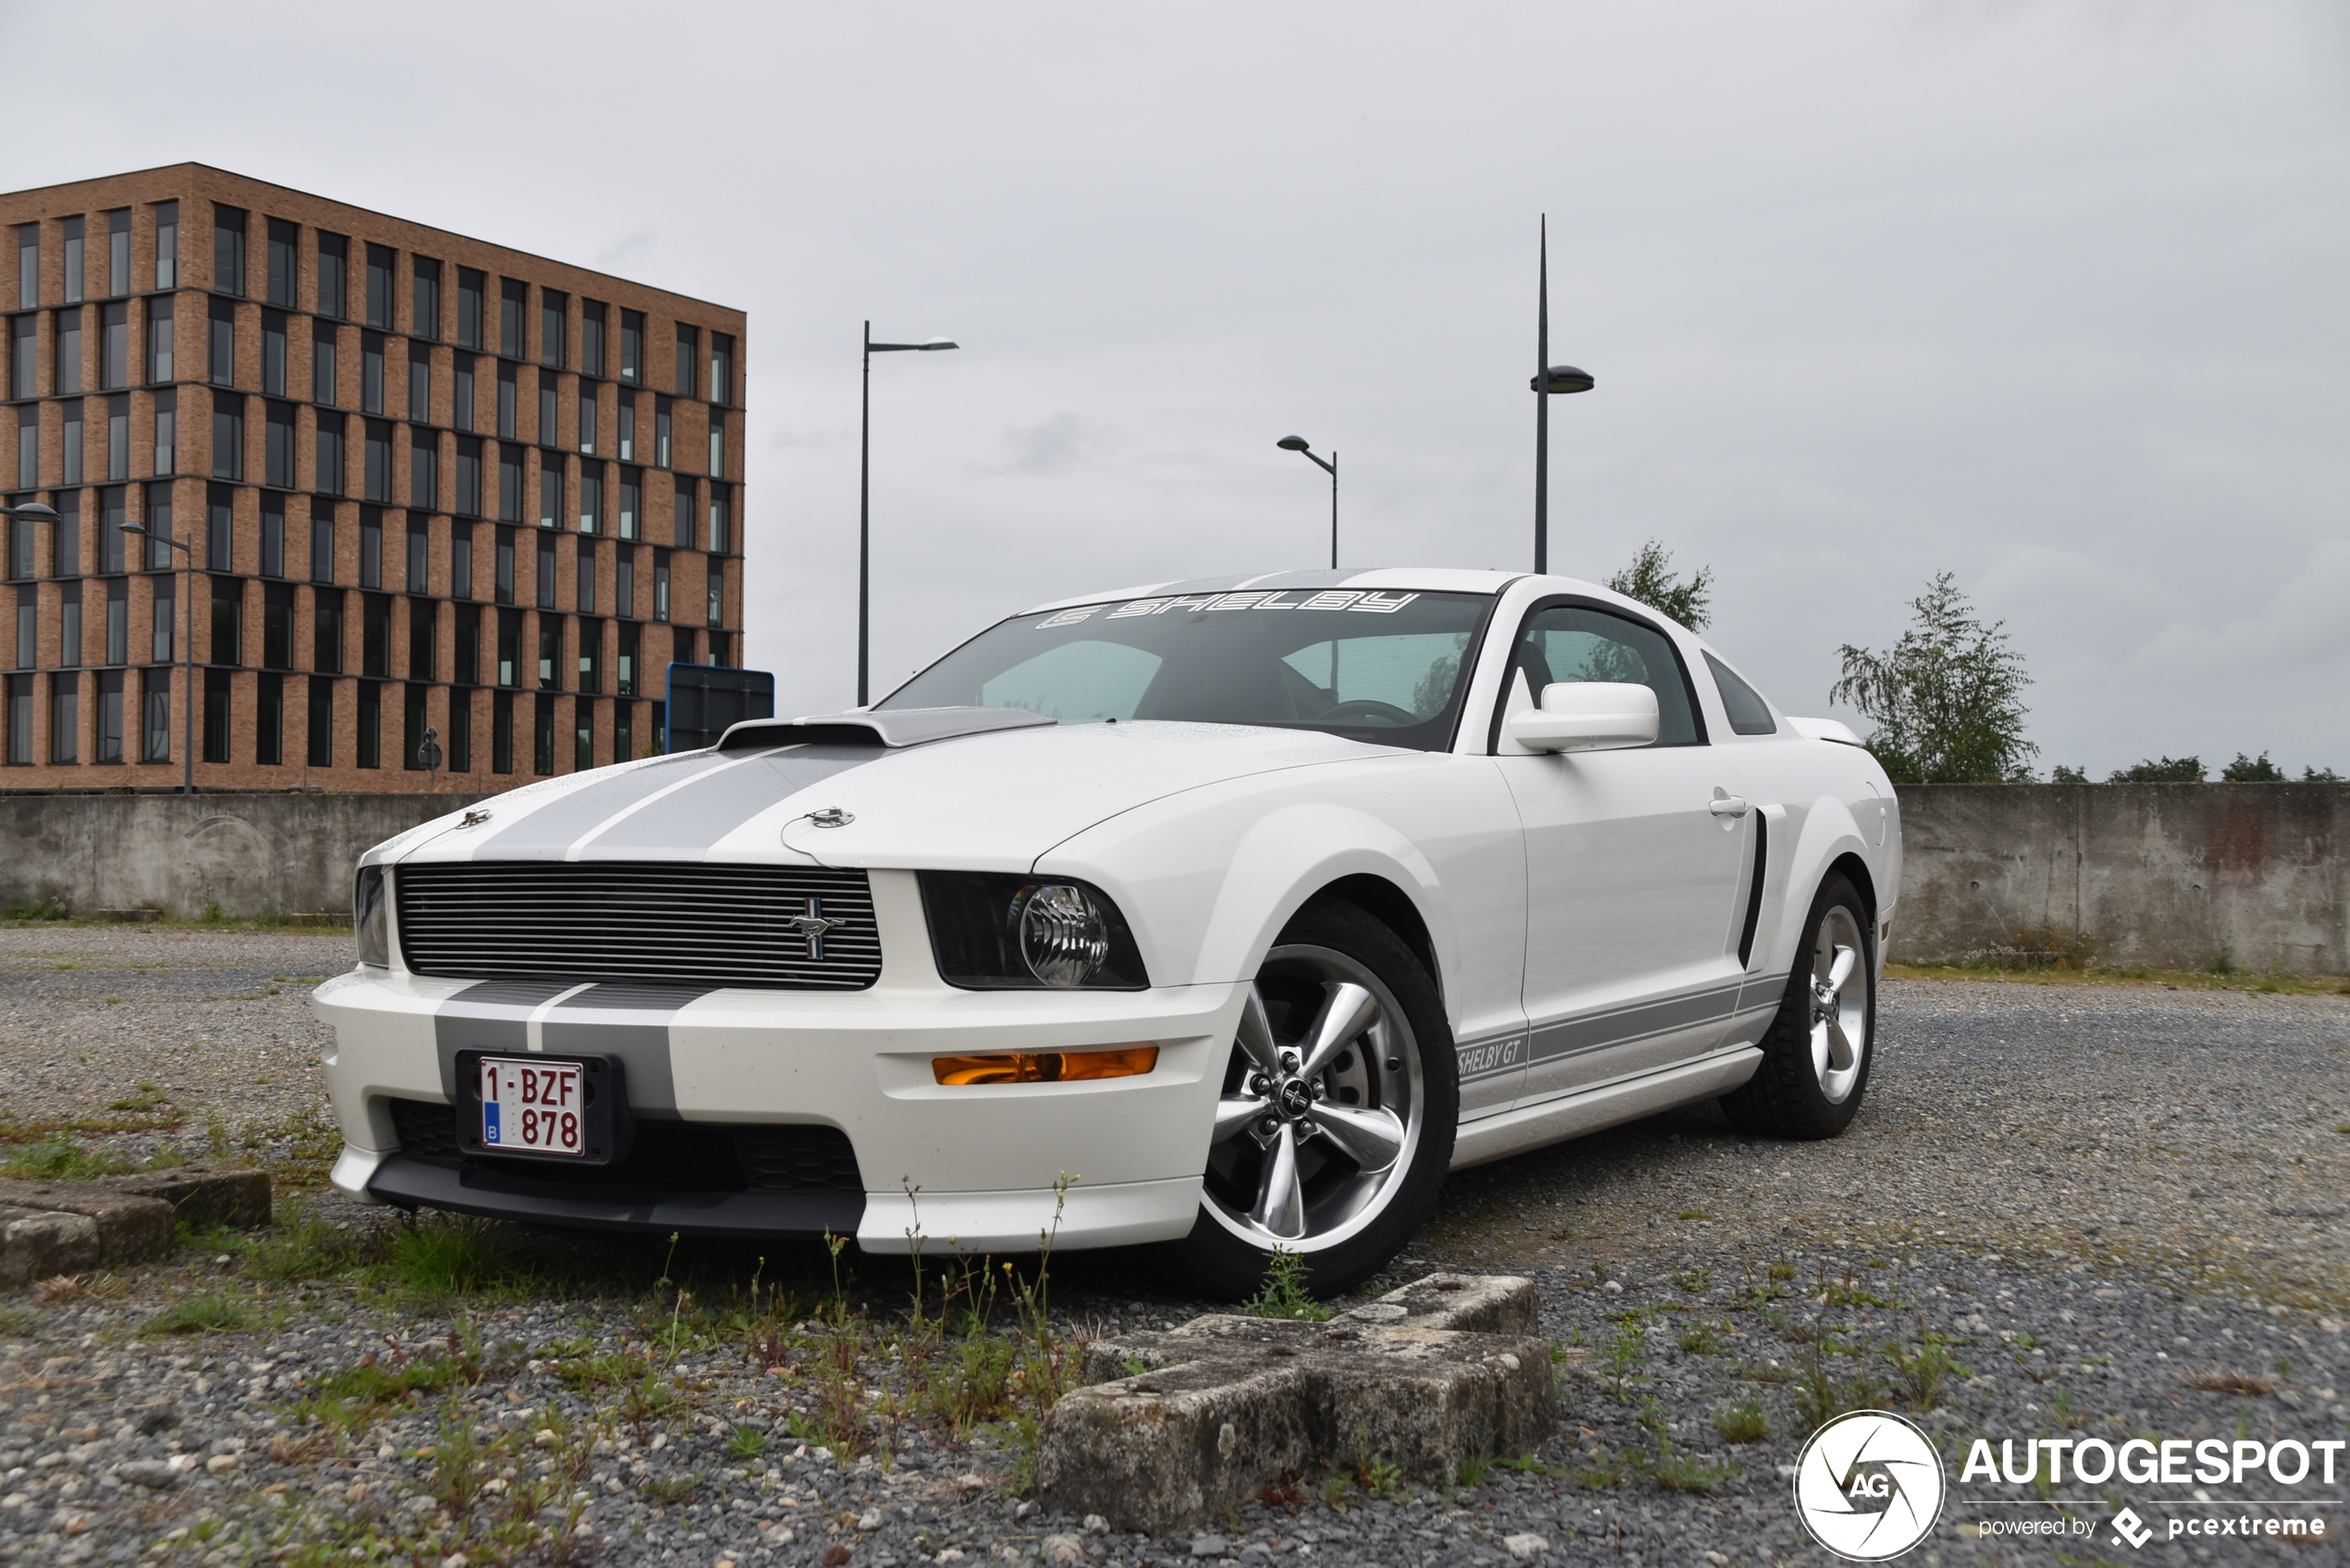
<point x="250" y="854"/>
<point x="2166" y="874"/>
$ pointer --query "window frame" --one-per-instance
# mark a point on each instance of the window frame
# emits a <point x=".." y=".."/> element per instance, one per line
<point x="1584" y="601"/>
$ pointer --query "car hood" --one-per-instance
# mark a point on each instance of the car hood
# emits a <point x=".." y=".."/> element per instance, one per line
<point x="981" y="802"/>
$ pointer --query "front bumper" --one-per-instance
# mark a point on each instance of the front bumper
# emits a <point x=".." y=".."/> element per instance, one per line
<point x="986" y="1168"/>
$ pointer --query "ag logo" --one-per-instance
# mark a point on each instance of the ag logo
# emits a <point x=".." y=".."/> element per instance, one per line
<point x="1868" y="1486"/>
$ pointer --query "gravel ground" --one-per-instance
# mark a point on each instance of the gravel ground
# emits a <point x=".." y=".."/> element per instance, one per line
<point x="2067" y="1211"/>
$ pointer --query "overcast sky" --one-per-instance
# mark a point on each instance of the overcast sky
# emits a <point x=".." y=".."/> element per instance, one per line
<point x="2054" y="296"/>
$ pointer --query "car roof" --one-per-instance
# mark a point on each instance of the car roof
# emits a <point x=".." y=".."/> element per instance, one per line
<point x="1423" y="580"/>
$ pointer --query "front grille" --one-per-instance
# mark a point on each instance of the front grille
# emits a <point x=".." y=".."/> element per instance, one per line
<point x="711" y="925"/>
<point x="667" y="1156"/>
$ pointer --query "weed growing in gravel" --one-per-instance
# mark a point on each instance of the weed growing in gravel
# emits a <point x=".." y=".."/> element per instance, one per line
<point x="218" y="1311"/>
<point x="1381" y="1479"/>
<point x="1284" y="1292"/>
<point x="1474" y="1466"/>
<point x="1743" y="1423"/>
<point x="1702" y="1338"/>
<point x="1669" y="1467"/>
<point x="1693" y="1280"/>
<point x="1620" y="1361"/>
<point x="746" y="1443"/>
<point x="61" y="1160"/>
<point x="437" y="1258"/>
<point x="1924" y="1368"/>
<point x="1606" y="1471"/>
<point x="299" y="1246"/>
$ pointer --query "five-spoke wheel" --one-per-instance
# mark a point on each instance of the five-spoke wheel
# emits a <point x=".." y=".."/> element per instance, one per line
<point x="1816" y="1052"/>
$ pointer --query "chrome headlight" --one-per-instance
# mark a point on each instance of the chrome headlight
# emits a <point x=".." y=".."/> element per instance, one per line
<point x="370" y="922"/>
<point x="994" y="933"/>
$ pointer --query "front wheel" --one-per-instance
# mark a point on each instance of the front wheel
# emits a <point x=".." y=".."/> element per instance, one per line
<point x="1340" y="1102"/>
<point x="1817" y="1052"/>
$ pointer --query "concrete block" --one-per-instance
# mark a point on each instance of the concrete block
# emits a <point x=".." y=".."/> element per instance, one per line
<point x="1179" y="1426"/>
<point x="35" y="1244"/>
<point x="130" y="1229"/>
<point x="203" y="1196"/>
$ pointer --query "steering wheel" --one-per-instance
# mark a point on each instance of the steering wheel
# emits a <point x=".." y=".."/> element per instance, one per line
<point x="1370" y="708"/>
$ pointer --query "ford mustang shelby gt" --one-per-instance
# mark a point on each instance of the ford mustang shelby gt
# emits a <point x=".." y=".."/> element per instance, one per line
<point x="1229" y="914"/>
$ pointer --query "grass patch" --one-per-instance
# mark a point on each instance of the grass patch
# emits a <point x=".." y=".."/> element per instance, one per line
<point x="1285" y="1293"/>
<point x="1743" y="1423"/>
<point x="441" y="1257"/>
<point x="216" y="1312"/>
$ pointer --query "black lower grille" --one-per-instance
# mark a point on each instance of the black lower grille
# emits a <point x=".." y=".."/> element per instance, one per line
<point x="775" y="927"/>
<point x="667" y="1156"/>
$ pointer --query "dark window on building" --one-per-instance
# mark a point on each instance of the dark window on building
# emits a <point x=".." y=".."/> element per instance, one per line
<point x="412" y="727"/>
<point x="159" y="344"/>
<point x="501" y="732"/>
<point x="461" y="731"/>
<point x="24" y="356"/>
<point x="505" y="583"/>
<point x="28" y="264"/>
<point x="623" y="732"/>
<point x="513" y="300"/>
<point x="273" y="536"/>
<point x="277" y="626"/>
<point x="273" y="353"/>
<point x="68" y="563"/>
<point x="376" y="465"/>
<point x="681" y="514"/>
<point x="469" y="291"/>
<point x="163" y="611"/>
<point x="688" y="358"/>
<point x="67" y="336"/>
<point x="371" y="548"/>
<point x="75" y="259"/>
<point x="467" y="663"/>
<point x="626" y="670"/>
<point x="721" y="520"/>
<point x="220" y="364"/>
<point x="547" y="415"/>
<point x="113" y="543"/>
<point x="461" y="401"/>
<point x="632" y="346"/>
<point x="227" y="260"/>
<point x="509" y="400"/>
<point x="158" y="528"/>
<point x="118" y="437"/>
<point x="542" y="735"/>
<point x="228" y="621"/>
<point x="588" y="416"/>
<point x="21" y="720"/>
<point x="118" y="623"/>
<point x="371" y="372"/>
<point x="419" y="554"/>
<point x="681" y="648"/>
<point x="550" y="491"/>
<point x="277" y="450"/>
<point x="324" y="374"/>
<point x="632" y="503"/>
<point x="154" y="706"/>
<point x="69" y="626"/>
<point x="554" y="310"/>
<point x="217" y="684"/>
<point x="660" y="432"/>
<point x="623" y="583"/>
<point x="423" y="304"/>
<point x="591" y="497"/>
<point x="583" y="756"/>
<point x="283" y="239"/>
<point x="468" y="497"/>
<point x="546" y="582"/>
<point x="419" y="384"/>
<point x="421" y="639"/>
<point x="118" y="252"/>
<point x="380" y="271"/>
<point x="75" y="444"/>
<point x="661" y="585"/>
<point x="371" y="724"/>
<point x="461" y="561"/>
<point x="550" y="651"/>
<point x="334" y="276"/>
<point x="227" y="435"/>
<point x="508" y="481"/>
<point x="508" y="648"/>
<point x="220" y="531"/>
<point x="167" y="244"/>
<point x="109" y="736"/>
<point x="114" y="345"/>
<point x="591" y="655"/>
<point x="424" y="468"/>
<point x="322" y="542"/>
<point x="715" y="583"/>
<point x="269" y="719"/>
<point x="65" y="717"/>
<point x="168" y="431"/>
<point x="722" y="367"/>
<point x="321" y="749"/>
<point x="625" y="428"/>
<point x="29" y="445"/>
<point x="22" y="552"/>
<point x="583" y="580"/>
<point x="326" y="630"/>
<point x="329" y="479"/>
<point x="375" y="634"/>
<point x="591" y="337"/>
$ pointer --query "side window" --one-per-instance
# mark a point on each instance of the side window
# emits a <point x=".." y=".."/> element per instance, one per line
<point x="1570" y="642"/>
<point x="1749" y="715"/>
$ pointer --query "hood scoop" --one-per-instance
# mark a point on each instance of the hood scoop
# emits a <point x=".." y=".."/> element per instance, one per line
<point x="887" y="727"/>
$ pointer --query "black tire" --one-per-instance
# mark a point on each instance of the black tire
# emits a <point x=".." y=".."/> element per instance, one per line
<point x="1791" y="1094"/>
<point x="1225" y="1257"/>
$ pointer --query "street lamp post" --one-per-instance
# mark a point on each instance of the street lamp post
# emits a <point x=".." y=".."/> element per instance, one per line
<point x="187" y="655"/>
<point x="865" y="493"/>
<point x="1549" y="379"/>
<point x="1299" y="444"/>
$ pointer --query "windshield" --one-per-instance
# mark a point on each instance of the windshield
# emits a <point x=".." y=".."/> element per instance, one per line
<point x="1381" y="667"/>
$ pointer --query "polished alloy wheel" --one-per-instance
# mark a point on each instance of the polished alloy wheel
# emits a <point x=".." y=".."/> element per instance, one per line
<point x="1839" y="1004"/>
<point x="1323" y="1104"/>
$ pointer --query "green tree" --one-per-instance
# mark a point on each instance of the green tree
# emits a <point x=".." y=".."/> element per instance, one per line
<point x="2252" y="770"/>
<point x="2168" y="770"/>
<point x="1649" y="579"/>
<point x="1946" y="700"/>
<point x="2320" y="775"/>
<point x="2062" y="774"/>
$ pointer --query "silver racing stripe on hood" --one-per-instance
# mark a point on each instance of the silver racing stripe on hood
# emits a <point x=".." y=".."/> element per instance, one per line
<point x="662" y="810"/>
<point x="525" y="1017"/>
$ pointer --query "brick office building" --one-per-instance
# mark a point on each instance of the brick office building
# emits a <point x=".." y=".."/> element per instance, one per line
<point x="427" y="482"/>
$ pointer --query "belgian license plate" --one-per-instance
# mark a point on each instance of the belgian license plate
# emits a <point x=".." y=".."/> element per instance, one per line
<point x="532" y="1106"/>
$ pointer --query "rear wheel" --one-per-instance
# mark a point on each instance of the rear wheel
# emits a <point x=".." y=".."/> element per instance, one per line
<point x="1817" y="1052"/>
<point x="1340" y="1101"/>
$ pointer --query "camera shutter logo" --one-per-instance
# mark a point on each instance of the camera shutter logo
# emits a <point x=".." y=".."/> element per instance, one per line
<point x="1869" y="1486"/>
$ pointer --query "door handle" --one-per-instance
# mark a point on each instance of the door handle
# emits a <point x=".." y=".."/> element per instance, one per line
<point x="1726" y="805"/>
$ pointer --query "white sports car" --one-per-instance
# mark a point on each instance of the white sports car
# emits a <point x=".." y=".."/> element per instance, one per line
<point x="1231" y="914"/>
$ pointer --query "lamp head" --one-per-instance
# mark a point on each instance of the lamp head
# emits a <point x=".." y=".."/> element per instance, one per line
<point x="33" y="510"/>
<point x="935" y="344"/>
<point x="1294" y="443"/>
<point x="134" y="527"/>
<point x="1563" y="378"/>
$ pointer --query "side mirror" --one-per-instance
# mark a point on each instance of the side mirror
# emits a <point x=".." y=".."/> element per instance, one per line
<point x="1586" y="716"/>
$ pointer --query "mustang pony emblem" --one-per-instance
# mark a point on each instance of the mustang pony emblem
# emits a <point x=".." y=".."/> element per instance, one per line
<point x="813" y="925"/>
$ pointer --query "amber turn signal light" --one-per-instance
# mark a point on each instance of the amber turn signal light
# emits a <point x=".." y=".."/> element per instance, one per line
<point x="1047" y="1066"/>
